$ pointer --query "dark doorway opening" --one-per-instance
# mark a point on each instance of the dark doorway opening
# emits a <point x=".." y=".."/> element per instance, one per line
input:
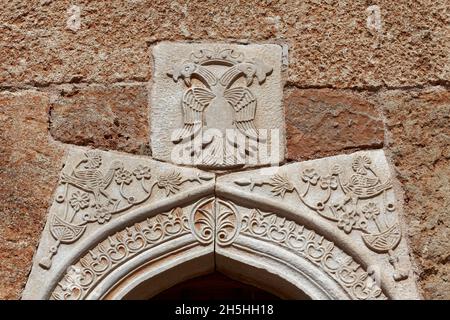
<point x="214" y="286"/>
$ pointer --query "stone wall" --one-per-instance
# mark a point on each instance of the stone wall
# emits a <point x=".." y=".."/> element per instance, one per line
<point x="355" y="80"/>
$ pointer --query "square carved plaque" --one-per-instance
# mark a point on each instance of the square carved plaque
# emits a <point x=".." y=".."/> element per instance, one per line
<point x="217" y="106"/>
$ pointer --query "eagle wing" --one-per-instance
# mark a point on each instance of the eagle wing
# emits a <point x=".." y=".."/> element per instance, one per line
<point x="244" y="105"/>
<point x="194" y="102"/>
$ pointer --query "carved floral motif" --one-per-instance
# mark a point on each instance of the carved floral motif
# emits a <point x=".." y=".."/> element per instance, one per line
<point x="89" y="195"/>
<point x="202" y="221"/>
<point x="358" y="202"/>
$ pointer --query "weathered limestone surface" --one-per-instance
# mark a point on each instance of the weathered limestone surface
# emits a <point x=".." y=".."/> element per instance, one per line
<point x="327" y="122"/>
<point x="29" y="166"/>
<point x="96" y="192"/>
<point x="419" y="143"/>
<point x="332" y="43"/>
<point x="108" y="117"/>
<point x="202" y="93"/>
<point x="347" y="195"/>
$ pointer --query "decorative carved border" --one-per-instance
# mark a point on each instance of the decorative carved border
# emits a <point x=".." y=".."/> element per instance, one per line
<point x="216" y="219"/>
<point x="122" y="246"/>
<point x="315" y="248"/>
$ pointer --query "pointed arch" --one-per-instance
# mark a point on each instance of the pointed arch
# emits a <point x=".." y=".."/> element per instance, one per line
<point x="142" y="259"/>
<point x="201" y="224"/>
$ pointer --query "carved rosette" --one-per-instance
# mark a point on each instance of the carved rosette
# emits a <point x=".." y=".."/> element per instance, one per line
<point x="120" y="247"/>
<point x="217" y="219"/>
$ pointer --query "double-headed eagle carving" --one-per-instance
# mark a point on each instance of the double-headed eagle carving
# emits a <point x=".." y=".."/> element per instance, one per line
<point x="220" y="91"/>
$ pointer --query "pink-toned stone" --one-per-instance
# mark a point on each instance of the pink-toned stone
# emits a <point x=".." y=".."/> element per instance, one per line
<point x="419" y="143"/>
<point x="330" y="42"/>
<point x="107" y="117"/>
<point x="29" y="166"/>
<point x="325" y="122"/>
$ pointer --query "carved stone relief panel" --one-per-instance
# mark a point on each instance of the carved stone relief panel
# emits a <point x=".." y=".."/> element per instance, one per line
<point x="217" y="106"/>
<point x="97" y="188"/>
<point x="328" y="228"/>
<point x="351" y="196"/>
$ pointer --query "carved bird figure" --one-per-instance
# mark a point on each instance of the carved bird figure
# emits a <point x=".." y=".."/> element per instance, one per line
<point x="90" y="178"/>
<point x="220" y="93"/>
<point x="364" y="183"/>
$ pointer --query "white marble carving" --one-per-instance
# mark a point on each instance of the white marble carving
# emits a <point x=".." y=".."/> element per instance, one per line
<point x="96" y="188"/>
<point x="217" y="105"/>
<point x="304" y="243"/>
<point x="327" y="229"/>
<point x="351" y="195"/>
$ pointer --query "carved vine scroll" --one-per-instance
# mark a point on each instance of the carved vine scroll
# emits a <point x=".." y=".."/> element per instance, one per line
<point x="86" y="195"/>
<point x="354" y="202"/>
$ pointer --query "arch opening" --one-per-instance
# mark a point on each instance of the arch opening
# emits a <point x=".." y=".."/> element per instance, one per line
<point x="214" y="286"/>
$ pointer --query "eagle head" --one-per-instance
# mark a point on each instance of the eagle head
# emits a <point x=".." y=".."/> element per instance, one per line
<point x="257" y="69"/>
<point x="183" y="71"/>
<point x="249" y="71"/>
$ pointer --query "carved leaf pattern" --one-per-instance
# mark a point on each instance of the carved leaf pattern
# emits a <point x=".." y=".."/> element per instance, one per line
<point x="123" y="245"/>
<point x="317" y="250"/>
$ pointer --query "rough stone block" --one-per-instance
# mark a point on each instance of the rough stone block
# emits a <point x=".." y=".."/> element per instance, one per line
<point x="29" y="166"/>
<point x="331" y="43"/>
<point x="107" y="117"/>
<point x="328" y="122"/>
<point x="419" y="143"/>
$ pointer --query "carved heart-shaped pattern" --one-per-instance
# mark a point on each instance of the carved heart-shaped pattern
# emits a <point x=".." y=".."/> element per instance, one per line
<point x="277" y="234"/>
<point x="315" y="250"/>
<point x="117" y="252"/>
